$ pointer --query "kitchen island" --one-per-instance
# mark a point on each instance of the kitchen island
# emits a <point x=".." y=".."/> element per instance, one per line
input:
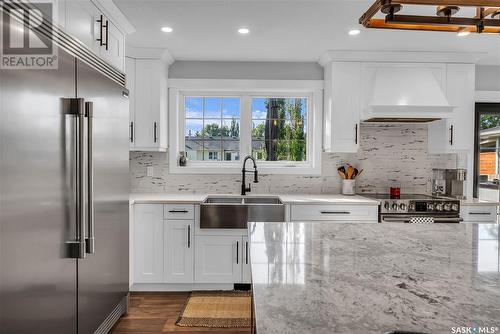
<point x="323" y="277"/>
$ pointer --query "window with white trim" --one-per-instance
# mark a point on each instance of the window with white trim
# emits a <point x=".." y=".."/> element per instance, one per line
<point x="215" y="129"/>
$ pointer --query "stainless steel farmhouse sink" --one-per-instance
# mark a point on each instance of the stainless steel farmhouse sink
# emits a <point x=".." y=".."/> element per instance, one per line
<point x="236" y="212"/>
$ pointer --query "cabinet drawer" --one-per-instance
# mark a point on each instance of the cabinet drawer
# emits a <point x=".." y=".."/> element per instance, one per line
<point x="479" y="213"/>
<point x="334" y="212"/>
<point x="178" y="211"/>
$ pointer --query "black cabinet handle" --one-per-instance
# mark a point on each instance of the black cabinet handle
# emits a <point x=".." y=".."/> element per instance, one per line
<point x="178" y="211"/>
<point x="237" y="252"/>
<point x="155" y="126"/>
<point x="131" y="132"/>
<point x="356" y="134"/>
<point x="480" y="213"/>
<point x="246" y="252"/>
<point x="335" y="212"/>
<point x="107" y="34"/>
<point x="189" y="236"/>
<point x="451" y="134"/>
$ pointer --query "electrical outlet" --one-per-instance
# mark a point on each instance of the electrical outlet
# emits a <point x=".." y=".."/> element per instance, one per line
<point x="149" y="171"/>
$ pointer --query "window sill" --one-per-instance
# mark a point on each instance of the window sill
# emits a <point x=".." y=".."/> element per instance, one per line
<point x="235" y="169"/>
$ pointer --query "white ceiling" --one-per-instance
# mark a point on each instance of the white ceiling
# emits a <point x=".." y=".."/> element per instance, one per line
<point x="280" y="30"/>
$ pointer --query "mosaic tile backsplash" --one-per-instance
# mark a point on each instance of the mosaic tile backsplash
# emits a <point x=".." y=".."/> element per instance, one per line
<point x="390" y="154"/>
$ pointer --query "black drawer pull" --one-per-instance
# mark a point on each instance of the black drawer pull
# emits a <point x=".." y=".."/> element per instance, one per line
<point x="178" y="211"/>
<point x="480" y="213"/>
<point x="335" y="212"/>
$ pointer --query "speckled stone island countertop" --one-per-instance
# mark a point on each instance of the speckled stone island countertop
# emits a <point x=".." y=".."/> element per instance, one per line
<point x="320" y="277"/>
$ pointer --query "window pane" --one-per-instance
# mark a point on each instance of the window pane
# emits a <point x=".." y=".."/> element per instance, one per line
<point x="231" y="128"/>
<point x="194" y="107"/>
<point x="489" y="171"/>
<point x="211" y="134"/>
<point x="231" y="107"/>
<point x="279" y="129"/>
<point x="213" y="107"/>
<point x="212" y="128"/>
<point x="194" y="128"/>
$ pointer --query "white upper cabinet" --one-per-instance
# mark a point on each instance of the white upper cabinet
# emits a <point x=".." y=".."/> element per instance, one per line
<point x="342" y="105"/>
<point x="456" y="133"/>
<point x="83" y="20"/>
<point x="130" y="82"/>
<point x="147" y="82"/>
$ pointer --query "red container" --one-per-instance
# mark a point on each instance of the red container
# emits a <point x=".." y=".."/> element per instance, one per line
<point x="395" y="192"/>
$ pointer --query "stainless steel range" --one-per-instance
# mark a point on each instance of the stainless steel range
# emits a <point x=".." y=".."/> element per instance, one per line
<point x="414" y="207"/>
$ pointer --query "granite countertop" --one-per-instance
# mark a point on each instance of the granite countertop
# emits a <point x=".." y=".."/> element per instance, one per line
<point x="288" y="199"/>
<point x="319" y="277"/>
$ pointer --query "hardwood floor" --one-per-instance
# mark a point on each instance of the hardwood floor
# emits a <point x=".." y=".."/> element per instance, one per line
<point x="157" y="312"/>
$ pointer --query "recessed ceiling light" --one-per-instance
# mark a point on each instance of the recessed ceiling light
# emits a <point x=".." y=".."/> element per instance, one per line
<point x="243" y="31"/>
<point x="354" y="32"/>
<point x="462" y="33"/>
<point x="167" y="29"/>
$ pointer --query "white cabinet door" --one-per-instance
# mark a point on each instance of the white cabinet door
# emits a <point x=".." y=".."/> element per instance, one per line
<point x="342" y="106"/>
<point x="334" y="212"/>
<point x="218" y="259"/>
<point x="130" y="77"/>
<point x="246" y="275"/>
<point x="115" y="40"/>
<point x="150" y="105"/>
<point x="148" y="243"/>
<point x="80" y="22"/>
<point x="479" y="213"/>
<point x="456" y="133"/>
<point x="179" y="254"/>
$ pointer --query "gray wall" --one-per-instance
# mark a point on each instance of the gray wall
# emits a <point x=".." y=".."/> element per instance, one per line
<point x="245" y="70"/>
<point x="487" y="77"/>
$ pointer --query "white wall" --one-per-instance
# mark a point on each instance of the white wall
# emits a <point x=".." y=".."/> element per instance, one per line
<point x="246" y="70"/>
<point x="487" y="77"/>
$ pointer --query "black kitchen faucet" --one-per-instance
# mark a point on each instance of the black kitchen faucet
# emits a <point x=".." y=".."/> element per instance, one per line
<point x="244" y="188"/>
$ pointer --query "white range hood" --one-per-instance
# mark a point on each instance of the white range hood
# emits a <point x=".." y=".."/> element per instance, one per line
<point x="405" y="94"/>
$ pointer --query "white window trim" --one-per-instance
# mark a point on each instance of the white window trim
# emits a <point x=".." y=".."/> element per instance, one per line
<point x="312" y="89"/>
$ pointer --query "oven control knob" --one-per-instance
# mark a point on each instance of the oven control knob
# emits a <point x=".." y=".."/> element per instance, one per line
<point x="402" y="206"/>
<point x="439" y="207"/>
<point x="394" y="206"/>
<point x="430" y="207"/>
<point x="454" y="207"/>
<point x="411" y="207"/>
<point x="447" y="206"/>
<point x="386" y="205"/>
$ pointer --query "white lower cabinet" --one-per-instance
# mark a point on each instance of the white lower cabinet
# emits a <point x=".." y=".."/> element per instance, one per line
<point x="334" y="212"/>
<point x="148" y="243"/>
<point x="479" y="214"/>
<point x="218" y="259"/>
<point x="179" y="251"/>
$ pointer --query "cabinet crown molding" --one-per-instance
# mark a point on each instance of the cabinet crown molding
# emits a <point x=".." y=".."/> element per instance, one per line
<point x="400" y="56"/>
<point x="150" y="53"/>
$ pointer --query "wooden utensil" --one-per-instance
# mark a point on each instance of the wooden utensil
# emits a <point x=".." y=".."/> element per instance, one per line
<point x="350" y="172"/>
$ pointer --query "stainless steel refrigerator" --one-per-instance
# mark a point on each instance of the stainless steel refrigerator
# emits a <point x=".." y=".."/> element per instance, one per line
<point x="63" y="196"/>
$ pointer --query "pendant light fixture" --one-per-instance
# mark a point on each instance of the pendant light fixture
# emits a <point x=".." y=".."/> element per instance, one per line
<point x="486" y="18"/>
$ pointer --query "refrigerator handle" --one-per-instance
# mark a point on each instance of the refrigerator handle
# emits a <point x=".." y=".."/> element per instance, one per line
<point x="90" y="239"/>
<point x="75" y="107"/>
